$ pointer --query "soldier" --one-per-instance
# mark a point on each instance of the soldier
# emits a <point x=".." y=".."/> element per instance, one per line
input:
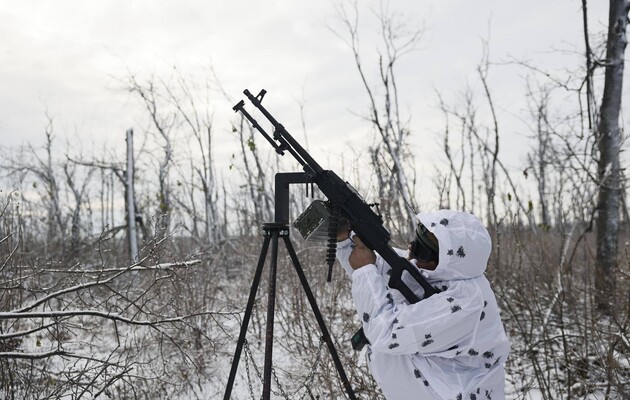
<point x="451" y="345"/>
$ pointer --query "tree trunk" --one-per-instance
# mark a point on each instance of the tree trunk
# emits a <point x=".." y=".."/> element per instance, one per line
<point x="609" y="141"/>
<point x="131" y="205"/>
<point x="213" y="233"/>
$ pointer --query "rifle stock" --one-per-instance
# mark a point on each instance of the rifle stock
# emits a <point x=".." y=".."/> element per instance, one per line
<point x="363" y="220"/>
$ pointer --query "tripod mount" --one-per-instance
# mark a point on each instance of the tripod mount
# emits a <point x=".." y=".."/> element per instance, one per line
<point x="272" y="232"/>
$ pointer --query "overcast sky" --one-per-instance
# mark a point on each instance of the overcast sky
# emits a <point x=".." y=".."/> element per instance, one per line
<point x="68" y="57"/>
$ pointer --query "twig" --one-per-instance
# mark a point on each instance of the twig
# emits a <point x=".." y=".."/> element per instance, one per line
<point x="114" y="317"/>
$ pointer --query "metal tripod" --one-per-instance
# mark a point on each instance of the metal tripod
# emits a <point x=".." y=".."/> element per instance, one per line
<point x="271" y="234"/>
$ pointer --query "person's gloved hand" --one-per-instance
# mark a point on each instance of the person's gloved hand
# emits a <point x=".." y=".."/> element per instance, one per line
<point x="361" y="255"/>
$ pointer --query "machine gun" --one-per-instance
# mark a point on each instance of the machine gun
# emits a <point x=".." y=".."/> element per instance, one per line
<point x="344" y="200"/>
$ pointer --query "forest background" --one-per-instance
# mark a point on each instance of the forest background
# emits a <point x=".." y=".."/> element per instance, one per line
<point x="132" y="203"/>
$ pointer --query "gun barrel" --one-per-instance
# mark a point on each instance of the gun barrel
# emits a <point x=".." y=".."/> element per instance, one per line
<point x="239" y="108"/>
<point x="284" y="136"/>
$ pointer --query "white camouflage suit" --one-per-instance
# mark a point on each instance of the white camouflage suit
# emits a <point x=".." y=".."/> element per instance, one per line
<point x="451" y="345"/>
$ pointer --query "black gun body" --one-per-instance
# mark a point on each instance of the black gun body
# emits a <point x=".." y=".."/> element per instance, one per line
<point x="369" y="227"/>
<point x="365" y="222"/>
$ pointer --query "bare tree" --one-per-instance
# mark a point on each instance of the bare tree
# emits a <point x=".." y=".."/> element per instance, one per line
<point x="540" y="158"/>
<point x="389" y="155"/>
<point x="456" y="167"/>
<point x="257" y="187"/>
<point x="64" y="192"/>
<point x="124" y="174"/>
<point x="198" y="121"/>
<point x="163" y="124"/>
<point x="492" y="150"/>
<point x="478" y="147"/>
<point x="609" y="139"/>
<point x="79" y="194"/>
<point x="44" y="170"/>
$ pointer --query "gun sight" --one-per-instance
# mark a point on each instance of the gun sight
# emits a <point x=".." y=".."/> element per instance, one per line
<point x="239" y="106"/>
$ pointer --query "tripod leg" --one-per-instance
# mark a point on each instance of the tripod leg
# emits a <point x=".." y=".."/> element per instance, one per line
<point x="246" y="316"/>
<point x="320" y="319"/>
<point x="271" y="308"/>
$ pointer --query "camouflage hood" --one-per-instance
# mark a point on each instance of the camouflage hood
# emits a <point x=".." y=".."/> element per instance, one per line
<point x="464" y="244"/>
